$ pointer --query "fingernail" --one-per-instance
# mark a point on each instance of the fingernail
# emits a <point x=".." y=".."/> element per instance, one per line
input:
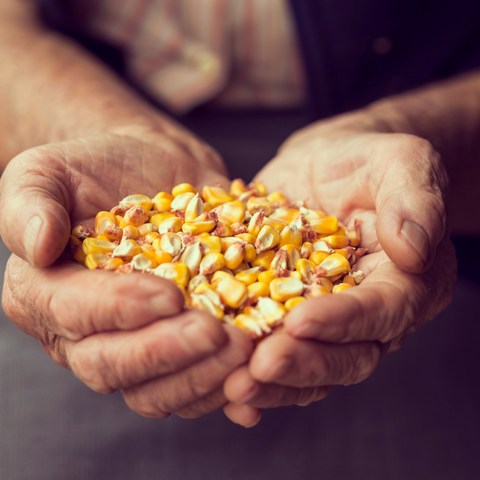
<point x="197" y="339"/>
<point x="278" y="370"/>
<point x="30" y="236"/>
<point x="417" y="238"/>
<point x="250" y="394"/>
<point x="305" y="330"/>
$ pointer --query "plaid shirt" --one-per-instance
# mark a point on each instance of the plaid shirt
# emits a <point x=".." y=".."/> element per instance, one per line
<point x="234" y="53"/>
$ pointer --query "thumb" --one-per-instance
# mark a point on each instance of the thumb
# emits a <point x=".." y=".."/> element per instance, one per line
<point x="411" y="219"/>
<point x="34" y="223"/>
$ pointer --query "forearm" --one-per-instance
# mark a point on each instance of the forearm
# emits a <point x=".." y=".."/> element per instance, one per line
<point x="57" y="91"/>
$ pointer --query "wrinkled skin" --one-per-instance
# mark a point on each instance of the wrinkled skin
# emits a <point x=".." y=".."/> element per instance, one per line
<point x="127" y="332"/>
<point x="382" y="179"/>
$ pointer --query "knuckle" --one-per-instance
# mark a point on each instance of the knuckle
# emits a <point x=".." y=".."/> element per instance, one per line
<point x="138" y="403"/>
<point x="309" y="395"/>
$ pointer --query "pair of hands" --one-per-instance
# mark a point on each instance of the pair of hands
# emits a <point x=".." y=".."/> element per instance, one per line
<point x="131" y="333"/>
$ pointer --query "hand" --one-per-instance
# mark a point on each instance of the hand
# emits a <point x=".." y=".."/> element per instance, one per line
<point x="124" y="332"/>
<point x="394" y="184"/>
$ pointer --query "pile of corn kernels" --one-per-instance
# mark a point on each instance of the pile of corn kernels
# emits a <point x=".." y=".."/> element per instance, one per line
<point x="245" y="256"/>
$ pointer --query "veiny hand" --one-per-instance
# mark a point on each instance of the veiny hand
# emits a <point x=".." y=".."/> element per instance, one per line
<point x="395" y="185"/>
<point x="126" y="332"/>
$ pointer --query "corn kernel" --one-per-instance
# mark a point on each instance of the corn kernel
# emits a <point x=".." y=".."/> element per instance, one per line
<point x="177" y="272"/>
<point x="285" y="215"/>
<point x="211" y="262"/>
<point x="249" y="275"/>
<point x="306" y="269"/>
<point x="267" y="239"/>
<point x="257" y="290"/>
<point x="137" y="200"/>
<point x="292" y="235"/>
<point x="234" y="255"/>
<point x="277" y="198"/>
<point x="94" y="260"/>
<point x="127" y="249"/>
<point x="325" y="225"/>
<point x="282" y="289"/>
<point x="260" y="204"/>
<point x="341" y="287"/>
<point x="161" y="217"/>
<point x="183" y="188"/>
<point x="170" y="225"/>
<point x="215" y="196"/>
<point x="272" y="310"/>
<point x="103" y="220"/>
<point x="231" y="212"/>
<point x="247" y="237"/>
<point x="250" y="253"/>
<point x="181" y="201"/>
<point x="293" y="302"/>
<point x="194" y="208"/>
<point x="237" y="187"/>
<point x="255" y="224"/>
<point x="233" y="292"/>
<point x="337" y="241"/>
<point x="210" y="244"/>
<point x="92" y="245"/>
<point x="335" y="264"/>
<point x="264" y="259"/>
<point x="318" y="256"/>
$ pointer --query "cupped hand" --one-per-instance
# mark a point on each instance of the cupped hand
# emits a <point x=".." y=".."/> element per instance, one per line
<point x="127" y="332"/>
<point x="395" y="185"/>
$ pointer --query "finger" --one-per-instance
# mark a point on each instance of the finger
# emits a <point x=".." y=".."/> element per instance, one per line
<point x="293" y="362"/>
<point x="110" y="361"/>
<point x="241" y="388"/>
<point x="389" y="302"/>
<point x="409" y="202"/>
<point x="73" y="302"/>
<point x="174" y="392"/>
<point x="243" y="415"/>
<point x="34" y="223"/>
<point x="208" y="404"/>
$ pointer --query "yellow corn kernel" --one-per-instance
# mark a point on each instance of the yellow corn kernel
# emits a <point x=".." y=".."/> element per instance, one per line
<point x="247" y="237"/>
<point x="204" y="302"/>
<point x="291" y="234"/>
<point x="341" y="287"/>
<point x="170" y="243"/>
<point x="350" y="280"/>
<point x="248" y="276"/>
<point x="358" y="276"/>
<point x="325" y="225"/>
<point x="222" y="230"/>
<point x="227" y="242"/>
<point x="208" y="207"/>
<point x="194" y="208"/>
<point x="293" y="302"/>
<point x="272" y="311"/>
<point x="293" y="256"/>
<point x="306" y="250"/>
<point x="345" y="252"/>
<point x="317" y="257"/>
<point x="103" y="220"/>
<point x="215" y="196"/>
<point x="82" y="232"/>
<point x="142" y="261"/>
<point x="237" y="187"/>
<point x="162" y="204"/>
<point x="161" y="217"/>
<point x="211" y="262"/>
<point x="150" y="237"/>
<point x="92" y="245"/>
<point x="255" y="224"/>
<point x="250" y="253"/>
<point x="335" y="264"/>
<point x="267" y="276"/>
<point x="170" y="225"/>
<point x="277" y="197"/>
<point x="137" y="200"/>
<point x="218" y="276"/>
<point x="279" y="226"/>
<point x="197" y="227"/>
<point x="162" y="257"/>
<point x="264" y="259"/>
<point x="118" y="220"/>
<point x="78" y="255"/>
<point x="337" y="241"/>
<point x="130" y="233"/>
<point x="259" y="204"/>
<point x="233" y="292"/>
<point x="176" y="272"/>
<point x="181" y="201"/>
<point x="102" y="237"/>
<point x="279" y="261"/>
<point x="282" y="289"/>
<point x="353" y="232"/>
<point x="234" y="255"/>
<point x="306" y="268"/>
<point x="259" y="188"/>
<point x="112" y="264"/>
<point x="322" y="246"/>
<point x="127" y="249"/>
<point x="267" y="239"/>
<point x="231" y="212"/>
<point x="324" y="282"/>
<point x="196" y="281"/>
<point x="249" y="324"/>
<point x="73" y="241"/>
<point x="310" y="215"/>
<point x="192" y="256"/>
<point x="135" y="216"/>
<point x="210" y="244"/>
<point x="257" y="290"/>
<point x="183" y="188"/>
<point x="285" y="215"/>
<point x="316" y="290"/>
<point x="113" y="233"/>
<point x="94" y="260"/>
<point x="146" y="228"/>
